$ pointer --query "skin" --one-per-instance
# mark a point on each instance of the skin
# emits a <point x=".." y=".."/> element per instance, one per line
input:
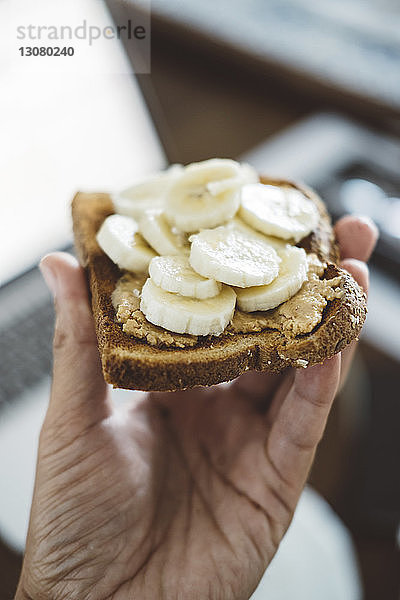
<point x="181" y="495"/>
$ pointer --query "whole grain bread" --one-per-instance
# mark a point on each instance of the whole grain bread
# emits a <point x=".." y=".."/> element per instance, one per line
<point x="134" y="364"/>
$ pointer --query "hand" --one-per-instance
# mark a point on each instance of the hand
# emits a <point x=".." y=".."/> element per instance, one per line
<point x="183" y="495"/>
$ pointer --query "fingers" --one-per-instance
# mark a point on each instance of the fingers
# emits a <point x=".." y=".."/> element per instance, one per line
<point x="298" y="416"/>
<point x="301" y="419"/>
<point x="359" y="271"/>
<point x="356" y="236"/>
<point x="78" y="388"/>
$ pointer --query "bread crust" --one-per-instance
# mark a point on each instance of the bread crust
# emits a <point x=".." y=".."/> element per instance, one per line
<point x="134" y="364"/>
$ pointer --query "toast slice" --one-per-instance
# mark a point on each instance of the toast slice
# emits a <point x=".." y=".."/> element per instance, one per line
<point x="132" y="363"/>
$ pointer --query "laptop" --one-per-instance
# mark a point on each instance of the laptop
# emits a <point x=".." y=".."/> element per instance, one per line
<point x="60" y="134"/>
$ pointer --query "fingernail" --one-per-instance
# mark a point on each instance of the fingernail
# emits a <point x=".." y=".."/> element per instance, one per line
<point x="366" y="220"/>
<point x="49" y="276"/>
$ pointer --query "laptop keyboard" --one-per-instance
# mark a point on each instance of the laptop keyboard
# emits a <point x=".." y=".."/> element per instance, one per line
<point x="26" y="335"/>
<point x="25" y="350"/>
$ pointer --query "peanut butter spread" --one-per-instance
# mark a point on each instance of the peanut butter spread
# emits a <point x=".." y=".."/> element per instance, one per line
<point x="126" y="302"/>
<point x="298" y="315"/>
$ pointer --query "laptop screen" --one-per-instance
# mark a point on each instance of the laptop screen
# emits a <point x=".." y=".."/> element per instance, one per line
<point x="63" y="132"/>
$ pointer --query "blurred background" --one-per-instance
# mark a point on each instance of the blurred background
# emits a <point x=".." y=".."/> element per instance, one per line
<point x="303" y="89"/>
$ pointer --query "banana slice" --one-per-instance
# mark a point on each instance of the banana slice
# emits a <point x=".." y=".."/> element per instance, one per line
<point x="235" y="255"/>
<point x="147" y="193"/>
<point x="157" y="232"/>
<point x="187" y="315"/>
<point x="280" y="211"/>
<point x="174" y="274"/>
<point x="276" y="243"/>
<point x="118" y="237"/>
<point x="292" y="275"/>
<point x="206" y="194"/>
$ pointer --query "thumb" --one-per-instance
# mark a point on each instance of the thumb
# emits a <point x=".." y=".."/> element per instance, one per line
<point x="301" y="420"/>
<point x="79" y="392"/>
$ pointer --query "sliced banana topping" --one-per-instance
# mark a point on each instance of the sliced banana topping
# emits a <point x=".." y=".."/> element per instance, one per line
<point x="239" y="231"/>
<point x="149" y="192"/>
<point x="207" y="194"/>
<point x="174" y="274"/>
<point x="280" y="211"/>
<point x="156" y="230"/>
<point x="234" y="255"/>
<point x="292" y="274"/>
<point x="118" y="237"/>
<point x="187" y="315"/>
